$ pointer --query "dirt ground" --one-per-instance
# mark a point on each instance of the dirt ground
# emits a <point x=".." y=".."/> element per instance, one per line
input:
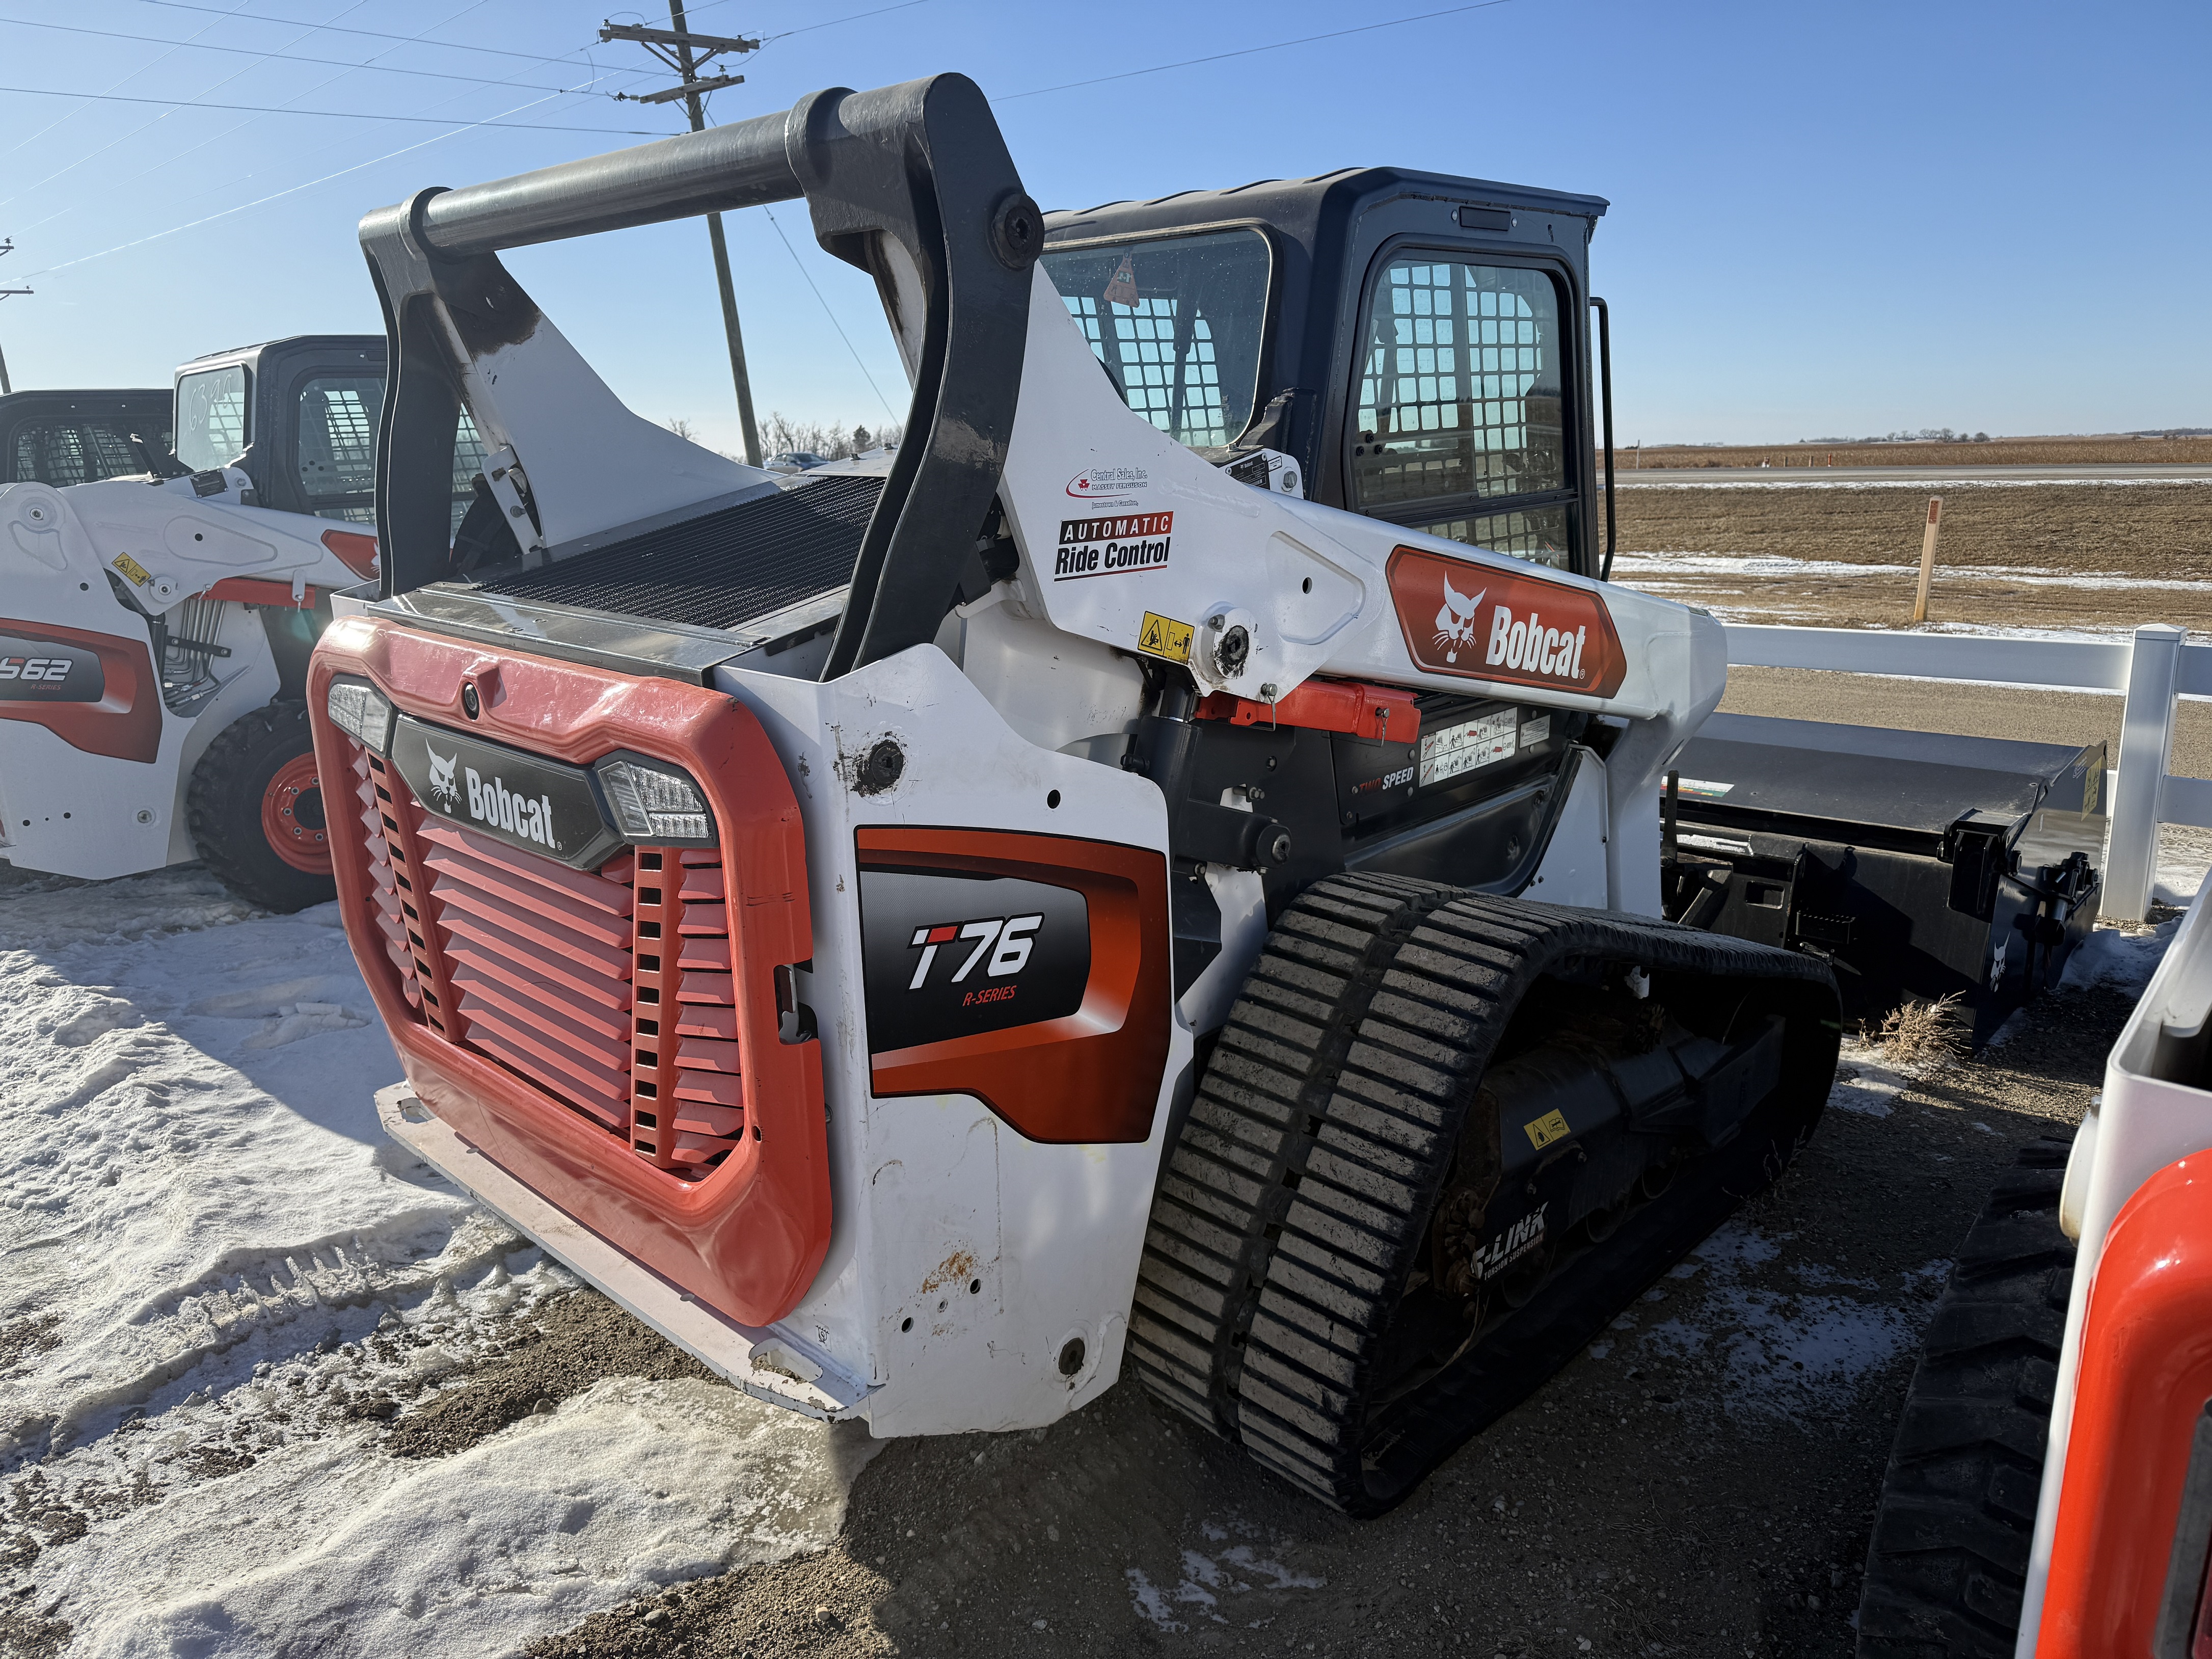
<point x="1662" y="1495"/>
<point x="2071" y="556"/>
<point x="2118" y="450"/>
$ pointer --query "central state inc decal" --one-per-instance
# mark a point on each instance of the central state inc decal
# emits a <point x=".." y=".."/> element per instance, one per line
<point x="1478" y="622"/>
<point x="1115" y="545"/>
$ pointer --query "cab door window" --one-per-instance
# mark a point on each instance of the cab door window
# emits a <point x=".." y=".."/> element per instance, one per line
<point x="212" y="430"/>
<point x="337" y="444"/>
<point x="1459" y="418"/>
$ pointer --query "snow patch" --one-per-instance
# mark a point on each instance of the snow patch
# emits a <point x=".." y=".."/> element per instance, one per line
<point x="2122" y="960"/>
<point x="241" y="1277"/>
<point x="1780" y="1352"/>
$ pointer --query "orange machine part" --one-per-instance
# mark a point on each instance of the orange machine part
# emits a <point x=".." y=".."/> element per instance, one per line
<point x="2146" y="1374"/>
<point x="126" y="722"/>
<point x="1093" y="1075"/>
<point x="731" y="1204"/>
<point x="1385" y="713"/>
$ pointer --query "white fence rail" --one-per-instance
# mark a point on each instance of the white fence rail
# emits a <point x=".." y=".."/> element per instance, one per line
<point x="2158" y="665"/>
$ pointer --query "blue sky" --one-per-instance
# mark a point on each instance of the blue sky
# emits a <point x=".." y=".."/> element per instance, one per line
<point x="1833" y="220"/>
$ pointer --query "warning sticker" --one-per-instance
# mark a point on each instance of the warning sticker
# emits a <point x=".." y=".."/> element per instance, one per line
<point x="1163" y="637"/>
<point x="1547" y="1129"/>
<point x="1451" y="749"/>
<point x="131" y="567"/>
<point x="1703" y="790"/>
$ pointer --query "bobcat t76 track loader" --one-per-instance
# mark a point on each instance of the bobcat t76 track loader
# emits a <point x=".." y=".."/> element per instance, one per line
<point x="155" y="627"/>
<point x="1166" y="875"/>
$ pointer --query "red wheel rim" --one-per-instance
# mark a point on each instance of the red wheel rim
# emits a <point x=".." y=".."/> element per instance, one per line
<point x="304" y="846"/>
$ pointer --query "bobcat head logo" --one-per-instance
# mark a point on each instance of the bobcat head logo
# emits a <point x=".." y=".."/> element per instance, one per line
<point x="441" y="777"/>
<point x="1455" y="622"/>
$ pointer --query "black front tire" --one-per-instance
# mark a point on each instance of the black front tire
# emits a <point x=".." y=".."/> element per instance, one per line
<point x="1948" y="1560"/>
<point x="224" y="811"/>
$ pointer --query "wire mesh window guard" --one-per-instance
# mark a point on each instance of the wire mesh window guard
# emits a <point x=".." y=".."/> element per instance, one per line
<point x="1177" y="322"/>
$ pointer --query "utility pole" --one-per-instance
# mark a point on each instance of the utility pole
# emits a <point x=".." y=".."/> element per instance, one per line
<point x="689" y="54"/>
<point x="5" y="389"/>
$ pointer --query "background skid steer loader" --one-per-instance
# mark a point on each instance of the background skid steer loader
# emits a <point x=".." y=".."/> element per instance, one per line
<point x="155" y="627"/>
<point x="924" y="940"/>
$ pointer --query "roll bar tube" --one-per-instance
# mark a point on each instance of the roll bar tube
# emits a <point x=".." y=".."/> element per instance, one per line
<point x="910" y="183"/>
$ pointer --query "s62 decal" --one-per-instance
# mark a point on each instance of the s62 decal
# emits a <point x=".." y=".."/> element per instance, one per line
<point x="34" y="671"/>
<point x="1481" y="622"/>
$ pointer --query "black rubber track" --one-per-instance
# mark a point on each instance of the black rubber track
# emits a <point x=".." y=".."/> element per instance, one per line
<point x="223" y="809"/>
<point x="1948" y="1558"/>
<point x="1224" y="1190"/>
<point x="1298" y="1196"/>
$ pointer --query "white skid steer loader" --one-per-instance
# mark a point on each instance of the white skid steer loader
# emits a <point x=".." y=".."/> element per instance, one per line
<point x="155" y="630"/>
<point x="1165" y="875"/>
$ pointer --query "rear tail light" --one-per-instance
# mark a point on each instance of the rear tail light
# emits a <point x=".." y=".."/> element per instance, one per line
<point x="654" y="804"/>
<point x="359" y="710"/>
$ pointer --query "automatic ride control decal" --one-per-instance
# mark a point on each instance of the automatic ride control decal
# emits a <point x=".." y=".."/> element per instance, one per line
<point x="1117" y="544"/>
<point x="1478" y="622"/>
<point x="948" y="956"/>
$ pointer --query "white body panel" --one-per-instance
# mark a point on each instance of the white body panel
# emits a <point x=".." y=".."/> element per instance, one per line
<point x="1308" y="582"/>
<point x="933" y="1194"/>
<point x="965" y="1258"/>
<point x="75" y="813"/>
<point x="2143" y="1123"/>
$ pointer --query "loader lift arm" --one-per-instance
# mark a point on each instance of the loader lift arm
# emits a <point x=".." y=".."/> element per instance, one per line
<point x="911" y="184"/>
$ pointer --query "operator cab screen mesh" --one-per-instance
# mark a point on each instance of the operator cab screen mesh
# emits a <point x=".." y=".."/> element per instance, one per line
<point x="1459" y="413"/>
<point x="1177" y="323"/>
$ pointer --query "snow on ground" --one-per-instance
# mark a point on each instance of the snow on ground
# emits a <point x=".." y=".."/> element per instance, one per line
<point x="210" y="1249"/>
<point x="1641" y="568"/>
<point x="1209" y="1585"/>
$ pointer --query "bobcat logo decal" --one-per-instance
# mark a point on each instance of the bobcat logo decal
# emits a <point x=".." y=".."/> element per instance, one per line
<point x="1455" y="622"/>
<point x="441" y="777"/>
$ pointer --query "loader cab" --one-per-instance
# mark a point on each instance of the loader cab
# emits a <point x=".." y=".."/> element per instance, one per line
<point x="1417" y="344"/>
<point x="73" y="437"/>
<point x="298" y="414"/>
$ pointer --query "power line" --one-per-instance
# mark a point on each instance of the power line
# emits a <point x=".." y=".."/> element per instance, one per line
<point x="903" y="5"/>
<point x="832" y="315"/>
<point x="352" y="115"/>
<point x="506" y="51"/>
<point x="284" y="57"/>
<point x="294" y="190"/>
<point x="1247" y="52"/>
<point x="125" y="80"/>
<point x="374" y="34"/>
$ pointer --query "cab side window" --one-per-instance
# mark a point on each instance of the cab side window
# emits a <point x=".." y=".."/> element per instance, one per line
<point x="74" y="451"/>
<point x="1459" y="418"/>
<point x="337" y="444"/>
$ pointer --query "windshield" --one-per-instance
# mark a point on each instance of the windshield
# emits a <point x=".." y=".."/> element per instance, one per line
<point x="211" y="418"/>
<point x="1177" y="321"/>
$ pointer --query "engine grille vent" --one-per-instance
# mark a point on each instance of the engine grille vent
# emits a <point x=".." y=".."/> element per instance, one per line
<point x="610" y="991"/>
<point x="392" y="884"/>
<point x="690" y="1101"/>
<point x="538" y="956"/>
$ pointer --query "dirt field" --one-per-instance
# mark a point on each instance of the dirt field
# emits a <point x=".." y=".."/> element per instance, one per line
<point x="2105" y="451"/>
<point x="1701" y="1484"/>
<point x="2070" y="555"/>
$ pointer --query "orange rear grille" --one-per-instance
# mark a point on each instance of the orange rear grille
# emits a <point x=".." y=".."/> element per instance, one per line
<point x="538" y="958"/>
<point x="390" y="887"/>
<point x="606" y="990"/>
<point x="690" y="1103"/>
